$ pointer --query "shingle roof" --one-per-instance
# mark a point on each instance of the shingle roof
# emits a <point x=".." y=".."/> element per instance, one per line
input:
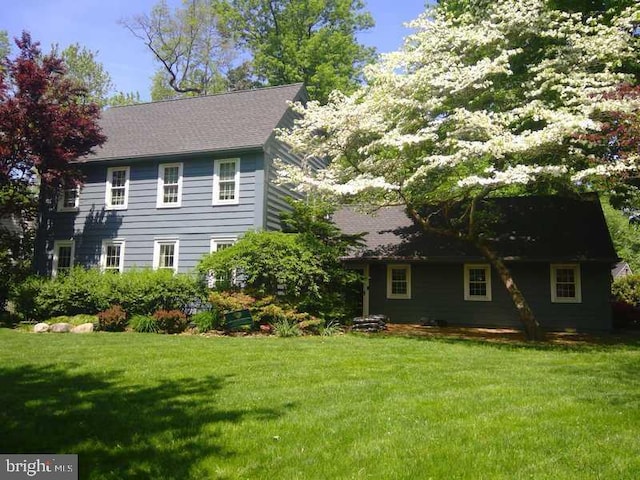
<point x="223" y="122"/>
<point x="536" y="228"/>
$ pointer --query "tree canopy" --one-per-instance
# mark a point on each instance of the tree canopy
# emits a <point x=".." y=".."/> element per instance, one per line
<point x="485" y="101"/>
<point x="193" y="51"/>
<point x="203" y="46"/>
<point x="44" y="125"/>
<point x="310" y="41"/>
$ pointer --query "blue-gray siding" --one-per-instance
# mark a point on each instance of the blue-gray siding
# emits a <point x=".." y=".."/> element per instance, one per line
<point x="193" y="224"/>
<point x="438" y="294"/>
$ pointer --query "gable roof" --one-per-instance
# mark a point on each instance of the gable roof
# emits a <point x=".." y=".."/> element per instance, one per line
<point x="533" y="228"/>
<point x="223" y="122"/>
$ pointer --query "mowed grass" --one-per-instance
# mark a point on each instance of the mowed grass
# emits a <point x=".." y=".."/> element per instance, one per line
<point x="186" y="407"/>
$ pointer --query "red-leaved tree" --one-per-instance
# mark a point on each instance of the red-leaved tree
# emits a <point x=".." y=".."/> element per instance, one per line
<point x="618" y="140"/>
<point x="44" y="126"/>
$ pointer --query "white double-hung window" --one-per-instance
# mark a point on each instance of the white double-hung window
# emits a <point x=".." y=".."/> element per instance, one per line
<point x="399" y="281"/>
<point x="165" y="254"/>
<point x="226" y="181"/>
<point x="112" y="256"/>
<point x="117" y="189"/>
<point x="565" y="283"/>
<point x="477" y="283"/>
<point x="62" y="257"/>
<point x="169" y="185"/>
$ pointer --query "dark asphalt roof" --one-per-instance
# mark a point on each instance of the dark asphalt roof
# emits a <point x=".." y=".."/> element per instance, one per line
<point x="535" y="228"/>
<point x="223" y="122"/>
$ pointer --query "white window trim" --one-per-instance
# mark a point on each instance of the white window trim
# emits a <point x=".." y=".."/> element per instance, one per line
<point x="160" y="198"/>
<point x="215" y="241"/>
<point x="103" y="253"/>
<point x="156" y="252"/>
<point x="56" y="254"/>
<point x="76" y="206"/>
<point x="467" y="292"/>
<point x="553" y="269"/>
<point x="404" y="296"/>
<point x="216" y="182"/>
<point x="107" y="198"/>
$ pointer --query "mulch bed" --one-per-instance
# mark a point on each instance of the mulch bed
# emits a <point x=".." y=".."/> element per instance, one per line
<point x="512" y="335"/>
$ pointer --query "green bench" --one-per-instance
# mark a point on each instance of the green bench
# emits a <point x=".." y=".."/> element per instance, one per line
<point x="238" y="319"/>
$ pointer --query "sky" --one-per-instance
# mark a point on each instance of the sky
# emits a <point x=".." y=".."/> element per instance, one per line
<point x="94" y="25"/>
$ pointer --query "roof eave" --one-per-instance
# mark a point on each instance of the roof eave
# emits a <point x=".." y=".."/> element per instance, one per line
<point x="232" y="150"/>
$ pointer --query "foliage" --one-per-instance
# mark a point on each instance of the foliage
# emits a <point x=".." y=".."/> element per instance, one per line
<point x="74" y="319"/>
<point x="139" y="292"/>
<point x="300" y="266"/>
<point x="44" y="125"/>
<point x="485" y="102"/>
<point x="144" y="324"/>
<point x="120" y="99"/>
<point x="624" y="234"/>
<point x="330" y="329"/>
<point x="194" y="53"/>
<point x="311" y="219"/>
<point x="267" y="261"/>
<point x="229" y="301"/>
<point x="83" y="67"/>
<point x="303" y="41"/>
<point x="113" y="319"/>
<point x="206" y="321"/>
<point x="627" y="289"/>
<point x="286" y="328"/>
<point x="171" y="321"/>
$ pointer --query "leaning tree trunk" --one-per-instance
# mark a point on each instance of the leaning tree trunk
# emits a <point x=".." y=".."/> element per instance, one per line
<point x="532" y="328"/>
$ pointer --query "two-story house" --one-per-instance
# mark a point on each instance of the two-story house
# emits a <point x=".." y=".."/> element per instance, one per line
<point x="176" y="180"/>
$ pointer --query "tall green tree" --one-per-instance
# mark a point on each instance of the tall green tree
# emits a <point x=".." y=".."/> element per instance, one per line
<point x="194" y="53"/>
<point x="488" y="102"/>
<point x="310" y="41"/>
<point x="83" y="67"/>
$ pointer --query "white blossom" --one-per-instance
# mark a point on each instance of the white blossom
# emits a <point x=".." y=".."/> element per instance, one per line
<point x="456" y="108"/>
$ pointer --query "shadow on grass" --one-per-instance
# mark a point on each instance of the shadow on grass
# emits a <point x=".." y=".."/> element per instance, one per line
<point x="118" y="430"/>
<point x="555" y="341"/>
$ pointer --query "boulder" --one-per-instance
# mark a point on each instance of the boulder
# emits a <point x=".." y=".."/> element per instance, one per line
<point x="61" y="327"/>
<point x="84" y="328"/>
<point x="41" y="327"/>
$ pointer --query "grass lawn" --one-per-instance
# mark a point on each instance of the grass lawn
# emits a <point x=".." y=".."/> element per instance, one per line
<point x="136" y="406"/>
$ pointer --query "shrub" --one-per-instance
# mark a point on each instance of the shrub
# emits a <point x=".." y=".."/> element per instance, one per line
<point x="113" y="319"/>
<point x="206" y="321"/>
<point x="627" y="289"/>
<point x="171" y="321"/>
<point x="139" y="292"/>
<point x="286" y="328"/>
<point x="231" y="301"/>
<point x="330" y="329"/>
<point x="144" y="324"/>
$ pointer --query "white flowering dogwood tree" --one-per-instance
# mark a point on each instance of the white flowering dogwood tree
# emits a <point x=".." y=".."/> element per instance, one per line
<point x="472" y="106"/>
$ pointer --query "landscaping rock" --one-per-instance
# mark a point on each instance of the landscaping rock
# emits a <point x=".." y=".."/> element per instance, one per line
<point x="61" y="328"/>
<point x="41" y="328"/>
<point x="84" y="328"/>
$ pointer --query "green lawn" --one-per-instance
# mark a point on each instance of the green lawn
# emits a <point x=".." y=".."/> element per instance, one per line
<point x="180" y="407"/>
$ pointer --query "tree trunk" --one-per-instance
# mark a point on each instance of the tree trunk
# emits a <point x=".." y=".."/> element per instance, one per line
<point x="43" y="217"/>
<point x="532" y="328"/>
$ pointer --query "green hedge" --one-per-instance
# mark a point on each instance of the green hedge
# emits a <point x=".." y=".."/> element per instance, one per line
<point x="139" y="292"/>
